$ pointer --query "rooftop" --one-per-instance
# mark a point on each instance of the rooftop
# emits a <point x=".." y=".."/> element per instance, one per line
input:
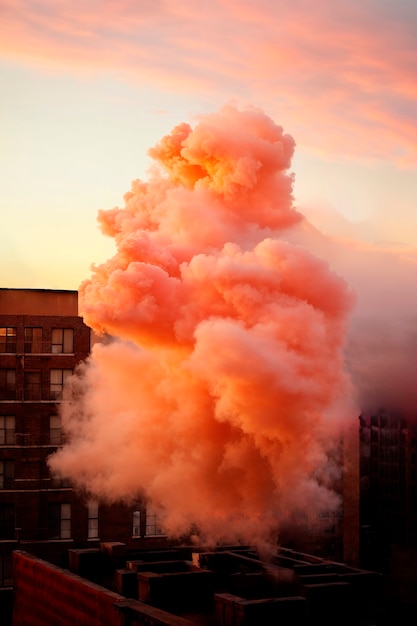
<point x="185" y="586"/>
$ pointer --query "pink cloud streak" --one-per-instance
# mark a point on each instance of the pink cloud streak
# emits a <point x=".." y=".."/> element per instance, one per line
<point x="349" y="69"/>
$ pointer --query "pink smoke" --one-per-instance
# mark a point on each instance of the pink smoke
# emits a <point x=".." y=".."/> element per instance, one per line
<point x="382" y="339"/>
<point x="220" y="393"/>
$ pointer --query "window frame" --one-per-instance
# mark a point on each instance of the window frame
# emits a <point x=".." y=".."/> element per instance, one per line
<point x="8" y="341"/>
<point x="136" y="520"/>
<point x="152" y="527"/>
<point x="7" y="473"/>
<point x="30" y="342"/>
<point x="63" y="344"/>
<point x="8" y="387"/>
<point x="57" y="393"/>
<point x="59" y="525"/>
<point x="93" y="526"/>
<point x="32" y="390"/>
<point x="7" y="432"/>
<point x="55" y="432"/>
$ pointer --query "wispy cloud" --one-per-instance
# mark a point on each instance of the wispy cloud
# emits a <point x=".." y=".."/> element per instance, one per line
<point x="342" y="75"/>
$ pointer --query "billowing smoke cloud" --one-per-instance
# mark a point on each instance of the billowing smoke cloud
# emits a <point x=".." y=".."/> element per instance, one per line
<point x="220" y="393"/>
<point x="382" y="336"/>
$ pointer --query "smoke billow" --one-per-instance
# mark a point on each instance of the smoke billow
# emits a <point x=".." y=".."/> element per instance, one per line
<point x="220" y="392"/>
<point x="382" y="336"/>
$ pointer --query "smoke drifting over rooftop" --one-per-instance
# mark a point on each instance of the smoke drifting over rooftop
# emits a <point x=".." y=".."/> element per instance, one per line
<point x="218" y="396"/>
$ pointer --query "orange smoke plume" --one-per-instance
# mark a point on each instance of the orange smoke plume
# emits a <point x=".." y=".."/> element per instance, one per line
<point x="218" y="394"/>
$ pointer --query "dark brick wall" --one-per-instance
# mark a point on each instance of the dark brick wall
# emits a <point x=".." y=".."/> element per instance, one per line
<point x="33" y="489"/>
<point x="46" y="594"/>
<point x="38" y="301"/>
<point x="22" y="362"/>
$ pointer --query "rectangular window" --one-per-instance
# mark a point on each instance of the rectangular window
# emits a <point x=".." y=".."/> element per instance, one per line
<point x="62" y="340"/>
<point x="93" y="520"/>
<point x="7" y="384"/>
<point x="7" y="430"/>
<point x="6" y="474"/>
<point x="57" y="382"/>
<point x="55" y="430"/>
<point x="6" y="576"/>
<point x="59" y="521"/>
<point x="33" y="340"/>
<point x="7" y="339"/>
<point x="54" y="521"/>
<point x="60" y="483"/>
<point x="32" y="386"/>
<point x="153" y="526"/>
<point x="7" y="523"/>
<point x="136" y="524"/>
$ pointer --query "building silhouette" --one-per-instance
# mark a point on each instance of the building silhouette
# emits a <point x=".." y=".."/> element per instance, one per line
<point x="42" y="339"/>
<point x="194" y="586"/>
<point x="389" y="476"/>
<point x="388" y="499"/>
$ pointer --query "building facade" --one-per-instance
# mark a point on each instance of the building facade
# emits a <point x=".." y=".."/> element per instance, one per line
<point x="42" y="339"/>
<point x="194" y="586"/>
<point x="388" y="493"/>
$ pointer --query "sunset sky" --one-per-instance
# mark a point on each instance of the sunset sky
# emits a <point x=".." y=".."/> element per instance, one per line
<point x="88" y="87"/>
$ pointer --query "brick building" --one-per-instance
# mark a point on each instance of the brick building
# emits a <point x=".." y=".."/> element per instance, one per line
<point x="388" y="489"/>
<point x="42" y="339"/>
<point x="196" y="586"/>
